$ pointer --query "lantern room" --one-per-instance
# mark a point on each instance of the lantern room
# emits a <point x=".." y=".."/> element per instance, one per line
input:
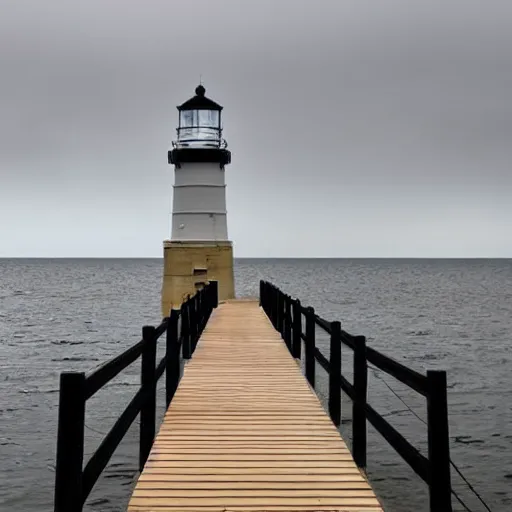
<point x="199" y="122"/>
<point x="199" y="132"/>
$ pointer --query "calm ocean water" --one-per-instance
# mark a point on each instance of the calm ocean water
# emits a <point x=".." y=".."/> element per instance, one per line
<point x="456" y="315"/>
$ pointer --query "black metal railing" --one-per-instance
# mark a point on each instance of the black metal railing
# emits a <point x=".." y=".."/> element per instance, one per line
<point x="73" y="481"/>
<point x="286" y="314"/>
<point x="208" y="136"/>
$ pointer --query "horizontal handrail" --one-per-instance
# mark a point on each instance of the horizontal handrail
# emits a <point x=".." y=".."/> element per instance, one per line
<point x="161" y="367"/>
<point x="107" y="371"/>
<point x="103" y="374"/>
<point x="324" y="362"/>
<point x="100" y="458"/>
<point x="347" y="388"/>
<point x="345" y="337"/>
<point x="286" y="315"/>
<point x="418" y="462"/>
<point x="407" y="376"/>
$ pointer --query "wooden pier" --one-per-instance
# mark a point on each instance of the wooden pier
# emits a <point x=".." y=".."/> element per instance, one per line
<point x="246" y="432"/>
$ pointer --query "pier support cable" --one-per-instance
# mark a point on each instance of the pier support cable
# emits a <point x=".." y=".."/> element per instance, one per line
<point x="459" y="472"/>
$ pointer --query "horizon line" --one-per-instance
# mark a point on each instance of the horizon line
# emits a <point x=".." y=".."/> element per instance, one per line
<point x="264" y="257"/>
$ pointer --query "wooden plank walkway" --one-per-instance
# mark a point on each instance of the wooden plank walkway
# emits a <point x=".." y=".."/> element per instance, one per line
<point x="245" y="432"/>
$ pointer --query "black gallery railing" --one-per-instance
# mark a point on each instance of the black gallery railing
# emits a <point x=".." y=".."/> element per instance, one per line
<point x="73" y="481"/>
<point x="286" y="314"/>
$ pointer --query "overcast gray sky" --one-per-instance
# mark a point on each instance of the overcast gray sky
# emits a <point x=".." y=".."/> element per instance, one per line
<point x="357" y="127"/>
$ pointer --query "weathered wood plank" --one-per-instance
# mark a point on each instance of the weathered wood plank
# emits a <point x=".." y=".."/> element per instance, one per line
<point x="297" y="470"/>
<point x="249" y="485"/>
<point x="261" y="502"/>
<point x="270" y="508"/>
<point x="257" y="479"/>
<point x="249" y="493"/>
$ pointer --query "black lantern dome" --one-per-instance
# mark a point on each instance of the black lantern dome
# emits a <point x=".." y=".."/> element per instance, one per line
<point x="199" y="132"/>
<point x="200" y="102"/>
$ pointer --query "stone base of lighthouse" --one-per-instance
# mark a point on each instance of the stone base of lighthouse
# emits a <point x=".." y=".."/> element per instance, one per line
<point x="189" y="265"/>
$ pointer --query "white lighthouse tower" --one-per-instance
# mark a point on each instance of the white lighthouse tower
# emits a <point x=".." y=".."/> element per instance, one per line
<point x="199" y="249"/>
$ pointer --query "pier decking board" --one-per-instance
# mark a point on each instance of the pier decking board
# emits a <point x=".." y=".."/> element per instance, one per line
<point x="245" y="432"/>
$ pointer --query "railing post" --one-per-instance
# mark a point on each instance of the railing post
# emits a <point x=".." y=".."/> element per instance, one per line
<point x="287" y="322"/>
<point x="359" y="431"/>
<point x="280" y="312"/>
<point x="200" y="316"/>
<point x="185" y="331"/>
<point x="70" y="443"/>
<point x="192" y="322"/>
<point x="273" y="305"/>
<point x="335" y="374"/>
<point x="438" y="443"/>
<point x="310" y="346"/>
<point x="172" y="357"/>
<point x="283" y="315"/>
<point x="199" y="311"/>
<point x="215" y="293"/>
<point x="205" y="308"/>
<point x="205" y="304"/>
<point x="148" y="384"/>
<point x="276" y="308"/>
<point x="197" y="319"/>
<point x="297" y="329"/>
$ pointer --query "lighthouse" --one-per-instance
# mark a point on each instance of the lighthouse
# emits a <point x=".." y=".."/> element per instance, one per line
<point x="199" y="249"/>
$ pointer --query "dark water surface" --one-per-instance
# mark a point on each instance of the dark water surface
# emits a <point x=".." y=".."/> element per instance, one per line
<point x="456" y="315"/>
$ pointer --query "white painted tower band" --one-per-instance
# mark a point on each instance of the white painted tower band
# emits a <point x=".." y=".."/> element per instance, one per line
<point x="199" y="203"/>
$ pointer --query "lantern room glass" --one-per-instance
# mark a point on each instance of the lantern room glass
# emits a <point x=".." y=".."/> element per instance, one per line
<point x="199" y="128"/>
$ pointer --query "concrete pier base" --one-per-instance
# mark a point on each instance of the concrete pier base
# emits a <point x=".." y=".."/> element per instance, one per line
<point x="189" y="265"/>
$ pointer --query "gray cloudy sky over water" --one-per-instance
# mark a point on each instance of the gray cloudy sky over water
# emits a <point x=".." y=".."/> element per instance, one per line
<point x="357" y="127"/>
